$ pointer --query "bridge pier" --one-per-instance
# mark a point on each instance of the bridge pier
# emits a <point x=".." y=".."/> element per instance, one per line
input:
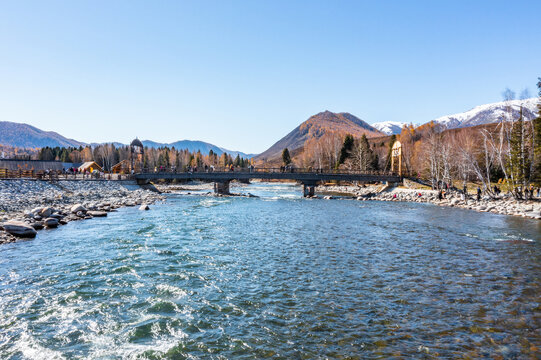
<point x="222" y="187"/>
<point x="142" y="181"/>
<point x="309" y="189"/>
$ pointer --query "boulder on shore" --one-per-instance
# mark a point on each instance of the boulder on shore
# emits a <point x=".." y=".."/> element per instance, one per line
<point x="38" y="225"/>
<point x="45" y="212"/>
<point x="97" y="213"/>
<point x="19" y="229"/>
<point x="144" y="207"/>
<point x="77" y="207"/>
<point x="51" y="222"/>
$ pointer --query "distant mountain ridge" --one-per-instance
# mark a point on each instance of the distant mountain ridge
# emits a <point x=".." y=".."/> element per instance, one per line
<point x="490" y="113"/>
<point x="316" y="126"/>
<point x="479" y="115"/>
<point x="27" y="136"/>
<point x="196" y="145"/>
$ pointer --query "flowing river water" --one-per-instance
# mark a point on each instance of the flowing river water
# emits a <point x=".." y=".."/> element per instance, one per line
<point x="277" y="276"/>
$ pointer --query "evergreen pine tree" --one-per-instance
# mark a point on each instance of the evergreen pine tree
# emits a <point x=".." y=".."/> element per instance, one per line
<point x="345" y="152"/>
<point x="375" y="162"/>
<point x="286" y="158"/>
<point x="46" y="153"/>
<point x="365" y="154"/>
<point x="166" y="158"/>
<point x="519" y="161"/>
<point x="64" y="155"/>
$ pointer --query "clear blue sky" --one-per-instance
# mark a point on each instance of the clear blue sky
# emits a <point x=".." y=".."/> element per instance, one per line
<point x="242" y="74"/>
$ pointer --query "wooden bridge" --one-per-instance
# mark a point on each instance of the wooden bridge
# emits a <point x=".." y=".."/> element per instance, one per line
<point x="308" y="177"/>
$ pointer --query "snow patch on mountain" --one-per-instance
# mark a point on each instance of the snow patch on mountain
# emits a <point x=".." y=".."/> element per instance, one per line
<point x="489" y="113"/>
<point x="389" y="127"/>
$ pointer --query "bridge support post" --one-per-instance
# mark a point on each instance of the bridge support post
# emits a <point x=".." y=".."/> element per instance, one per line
<point x="309" y="189"/>
<point x="221" y="187"/>
<point x="142" y="181"/>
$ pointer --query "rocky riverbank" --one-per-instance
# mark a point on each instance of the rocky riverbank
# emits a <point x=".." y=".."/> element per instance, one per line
<point x="505" y="205"/>
<point x="29" y="205"/>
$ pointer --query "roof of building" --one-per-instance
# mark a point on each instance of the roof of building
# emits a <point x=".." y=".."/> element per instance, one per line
<point x="136" y="142"/>
<point x="122" y="163"/>
<point x="90" y="164"/>
<point x="69" y="165"/>
<point x="13" y="164"/>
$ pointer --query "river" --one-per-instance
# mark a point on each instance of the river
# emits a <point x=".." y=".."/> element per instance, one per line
<point x="277" y="276"/>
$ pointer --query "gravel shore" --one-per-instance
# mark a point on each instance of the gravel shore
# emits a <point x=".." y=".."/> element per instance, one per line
<point x="40" y="204"/>
<point x="505" y="205"/>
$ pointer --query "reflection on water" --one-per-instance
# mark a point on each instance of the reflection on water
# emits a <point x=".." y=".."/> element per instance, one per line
<point x="277" y="276"/>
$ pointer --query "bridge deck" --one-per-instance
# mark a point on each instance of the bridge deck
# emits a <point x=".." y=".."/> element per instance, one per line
<point x="304" y="177"/>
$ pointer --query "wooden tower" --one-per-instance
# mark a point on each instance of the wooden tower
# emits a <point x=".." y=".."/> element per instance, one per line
<point x="396" y="158"/>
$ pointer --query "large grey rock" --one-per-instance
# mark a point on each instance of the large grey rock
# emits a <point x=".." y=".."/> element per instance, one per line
<point x="36" y="210"/>
<point x="51" y="222"/>
<point x="38" y="225"/>
<point x="77" y="208"/>
<point x="144" y="207"/>
<point x="45" y="212"/>
<point x="19" y="229"/>
<point x="97" y="213"/>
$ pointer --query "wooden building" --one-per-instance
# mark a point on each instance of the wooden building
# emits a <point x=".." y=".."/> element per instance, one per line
<point x="122" y="167"/>
<point x="90" y="166"/>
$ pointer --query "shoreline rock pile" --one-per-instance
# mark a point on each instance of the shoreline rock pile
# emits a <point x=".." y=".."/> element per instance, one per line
<point x="53" y="204"/>
<point x="505" y="205"/>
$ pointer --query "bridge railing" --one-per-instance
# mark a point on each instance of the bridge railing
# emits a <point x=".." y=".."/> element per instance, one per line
<point x="59" y="175"/>
<point x="266" y="170"/>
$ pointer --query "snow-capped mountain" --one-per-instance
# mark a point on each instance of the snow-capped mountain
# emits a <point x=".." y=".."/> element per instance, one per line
<point x="489" y="113"/>
<point x="389" y="127"/>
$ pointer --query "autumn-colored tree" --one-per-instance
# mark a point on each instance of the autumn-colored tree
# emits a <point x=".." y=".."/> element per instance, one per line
<point x="536" y="168"/>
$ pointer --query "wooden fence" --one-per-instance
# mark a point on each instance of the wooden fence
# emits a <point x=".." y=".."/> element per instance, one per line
<point x="58" y="175"/>
<point x="29" y="174"/>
